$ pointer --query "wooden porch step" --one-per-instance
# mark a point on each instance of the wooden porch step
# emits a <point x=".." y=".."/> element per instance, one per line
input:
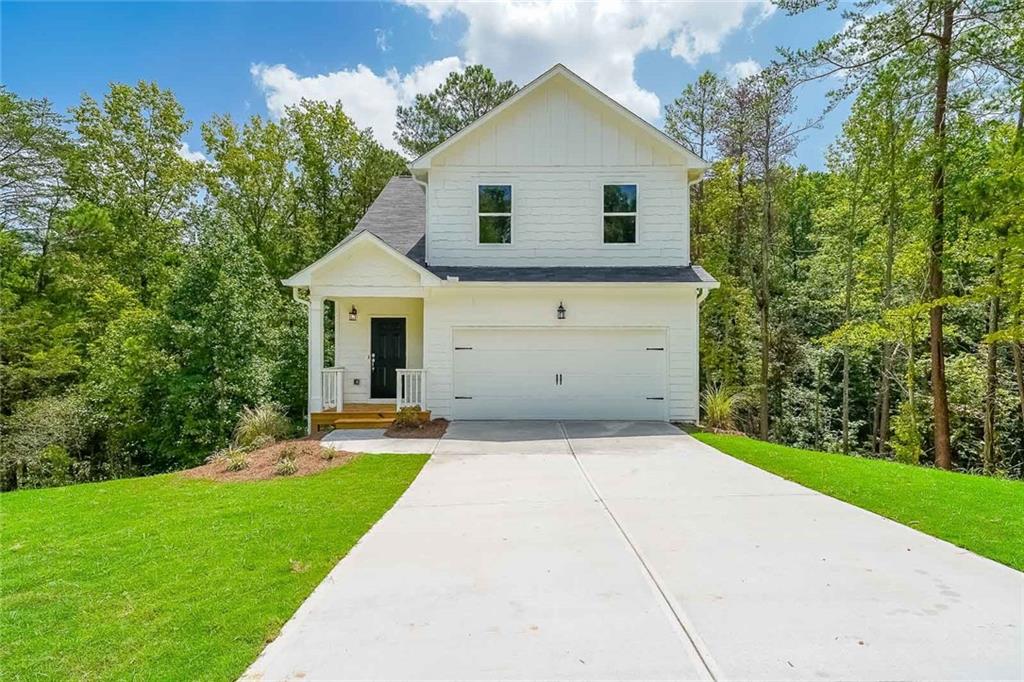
<point x="352" y="422"/>
<point x="364" y="416"/>
<point x="381" y="408"/>
<point x="358" y="416"/>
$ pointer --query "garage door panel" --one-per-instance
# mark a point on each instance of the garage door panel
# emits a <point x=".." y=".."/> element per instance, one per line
<point x="556" y="339"/>
<point x="635" y="385"/>
<point x="491" y="385"/>
<point x="557" y="409"/>
<point x="605" y="374"/>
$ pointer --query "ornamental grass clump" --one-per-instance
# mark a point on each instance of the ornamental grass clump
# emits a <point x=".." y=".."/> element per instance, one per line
<point x="237" y="459"/>
<point x="720" y="404"/>
<point x="263" y="424"/>
<point x="286" y="465"/>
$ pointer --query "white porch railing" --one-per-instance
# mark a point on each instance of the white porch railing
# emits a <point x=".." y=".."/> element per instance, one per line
<point x="332" y="388"/>
<point x="412" y="388"/>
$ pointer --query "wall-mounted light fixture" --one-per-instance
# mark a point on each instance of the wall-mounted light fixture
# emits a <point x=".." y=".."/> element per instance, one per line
<point x="353" y="314"/>
<point x="561" y="311"/>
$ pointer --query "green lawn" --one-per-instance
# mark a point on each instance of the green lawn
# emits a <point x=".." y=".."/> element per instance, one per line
<point x="984" y="515"/>
<point x="170" y="578"/>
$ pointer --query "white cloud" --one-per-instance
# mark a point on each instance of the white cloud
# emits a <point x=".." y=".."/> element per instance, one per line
<point x="368" y="97"/>
<point x="520" y="40"/>
<point x="189" y="154"/>
<point x="737" y="71"/>
<point x="382" y="37"/>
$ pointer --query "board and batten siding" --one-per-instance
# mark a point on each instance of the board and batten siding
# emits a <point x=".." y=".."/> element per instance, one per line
<point x="673" y="309"/>
<point x="557" y="148"/>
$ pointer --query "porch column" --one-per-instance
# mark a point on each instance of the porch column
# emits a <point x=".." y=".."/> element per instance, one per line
<point x="316" y="352"/>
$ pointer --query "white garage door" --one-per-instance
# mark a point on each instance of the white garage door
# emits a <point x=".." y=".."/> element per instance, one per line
<point x="560" y="374"/>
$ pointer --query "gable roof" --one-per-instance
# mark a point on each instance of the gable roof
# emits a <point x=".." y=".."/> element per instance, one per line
<point x="561" y="71"/>
<point x="395" y="217"/>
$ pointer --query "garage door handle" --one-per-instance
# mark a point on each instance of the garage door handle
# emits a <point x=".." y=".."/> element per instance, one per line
<point x="655" y="398"/>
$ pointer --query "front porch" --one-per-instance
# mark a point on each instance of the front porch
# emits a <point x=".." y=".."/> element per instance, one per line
<point x="366" y="360"/>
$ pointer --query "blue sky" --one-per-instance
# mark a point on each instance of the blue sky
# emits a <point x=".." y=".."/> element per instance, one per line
<point x="245" y="58"/>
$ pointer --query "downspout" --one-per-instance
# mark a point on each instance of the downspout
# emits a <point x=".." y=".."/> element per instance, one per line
<point x="701" y="295"/>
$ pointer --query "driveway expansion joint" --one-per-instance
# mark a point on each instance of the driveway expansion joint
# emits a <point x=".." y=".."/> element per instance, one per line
<point x="702" y="655"/>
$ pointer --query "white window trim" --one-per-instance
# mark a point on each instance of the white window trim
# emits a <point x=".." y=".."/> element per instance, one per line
<point x="511" y="215"/>
<point x="635" y="214"/>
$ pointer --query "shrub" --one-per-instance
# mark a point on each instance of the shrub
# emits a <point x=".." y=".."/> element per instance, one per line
<point x="217" y="457"/>
<point x="55" y="465"/>
<point x="410" y="417"/>
<point x="907" y="442"/>
<point x="285" y="466"/>
<point x="43" y="442"/>
<point x="720" y="404"/>
<point x="261" y="423"/>
<point x="236" y="458"/>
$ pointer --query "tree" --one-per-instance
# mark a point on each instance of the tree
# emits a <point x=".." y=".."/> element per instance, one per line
<point x="234" y="341"/>
<point x="772" y="141"/>
<point x="692" y="120"/>
<point x="339" y="170"/>
<point x="461" y="99"/>
<point x="943" y="39"/>
<point x="33" y="154"/>
<point x="297" y="187"/>
<point x="996" y="197"/>
<point x="129" y="164"/>
<point x="250" y="181"/>
<point x="881" y="133"/>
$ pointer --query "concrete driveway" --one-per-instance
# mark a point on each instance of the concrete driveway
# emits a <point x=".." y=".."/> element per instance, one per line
<point x="628" y="550"/>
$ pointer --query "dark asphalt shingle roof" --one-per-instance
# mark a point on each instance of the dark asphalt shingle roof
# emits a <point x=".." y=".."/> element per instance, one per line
<point x="398" y="218"/>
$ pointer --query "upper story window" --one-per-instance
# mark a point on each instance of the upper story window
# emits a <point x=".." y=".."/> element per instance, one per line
<point x="620" y="214"/>
<point x="494" y="214"/>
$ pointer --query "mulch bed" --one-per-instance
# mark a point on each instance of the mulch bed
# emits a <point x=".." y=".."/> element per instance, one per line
<point x="262" y="462"/>
<point x="435" y="428"/>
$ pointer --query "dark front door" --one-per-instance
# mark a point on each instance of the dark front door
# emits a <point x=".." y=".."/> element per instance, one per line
<point x="387" y="353"/>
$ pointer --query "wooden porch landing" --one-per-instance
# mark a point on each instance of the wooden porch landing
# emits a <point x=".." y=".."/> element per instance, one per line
<point x="355" y="416"/>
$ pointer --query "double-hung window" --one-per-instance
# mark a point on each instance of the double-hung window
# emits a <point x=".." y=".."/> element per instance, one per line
<point x="620" y="214"/>
<point x="494" y="214"/>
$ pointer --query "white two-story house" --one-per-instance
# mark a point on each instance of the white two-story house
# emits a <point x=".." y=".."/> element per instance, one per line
<point x="536" y="265"/>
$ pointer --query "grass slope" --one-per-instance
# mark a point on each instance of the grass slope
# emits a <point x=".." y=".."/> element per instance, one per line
<point x="984" y="515"/>
<point x="170" y="578"/>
